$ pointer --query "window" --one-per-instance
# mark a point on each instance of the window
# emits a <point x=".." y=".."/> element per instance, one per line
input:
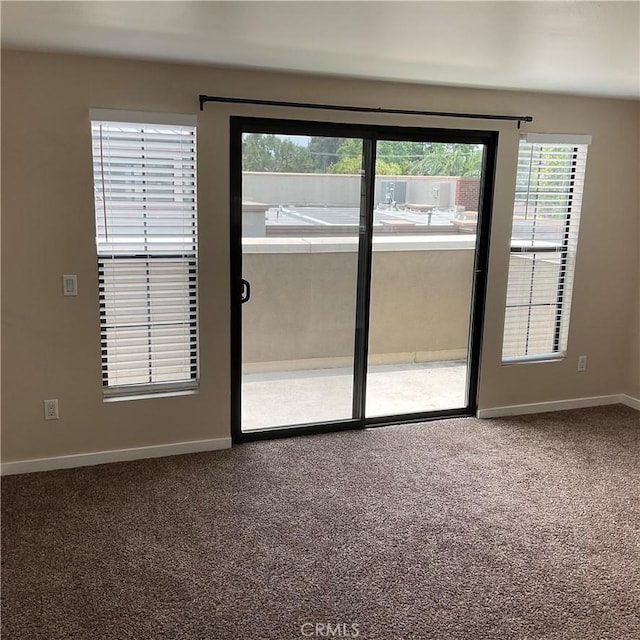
<point x="146" y="235"/>
<point x="544" y="239"/>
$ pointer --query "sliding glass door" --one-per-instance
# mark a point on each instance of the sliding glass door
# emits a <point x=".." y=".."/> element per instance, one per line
<point x="427" y="198"/>
<point x="357" y="274"/>
<point x="299" y="319"/>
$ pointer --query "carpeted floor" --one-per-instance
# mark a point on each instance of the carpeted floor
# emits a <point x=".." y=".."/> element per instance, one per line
<point x="517" y="528"/>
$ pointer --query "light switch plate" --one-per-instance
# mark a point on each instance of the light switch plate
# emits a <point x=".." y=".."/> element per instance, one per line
<point x="70" y="285"/>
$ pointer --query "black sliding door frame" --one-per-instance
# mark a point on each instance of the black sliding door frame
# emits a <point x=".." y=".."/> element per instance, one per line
<point x="363" y="285"/>
<point x="370" y="135"/>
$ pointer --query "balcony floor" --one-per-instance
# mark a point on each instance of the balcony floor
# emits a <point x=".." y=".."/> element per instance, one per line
<point x="321" y="395"/>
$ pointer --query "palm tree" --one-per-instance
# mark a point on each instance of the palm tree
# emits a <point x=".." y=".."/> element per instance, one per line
<point x="445" y="159"/>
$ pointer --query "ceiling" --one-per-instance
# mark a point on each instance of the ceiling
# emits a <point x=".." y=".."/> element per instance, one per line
<point x="590" y="48"/>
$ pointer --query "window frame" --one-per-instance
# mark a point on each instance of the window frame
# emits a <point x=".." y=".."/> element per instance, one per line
<point x="184" y="258"/>
<point x="566" y="249"/>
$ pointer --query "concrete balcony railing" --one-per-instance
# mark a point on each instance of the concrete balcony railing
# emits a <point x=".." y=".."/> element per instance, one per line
<point x="301" y="313"/>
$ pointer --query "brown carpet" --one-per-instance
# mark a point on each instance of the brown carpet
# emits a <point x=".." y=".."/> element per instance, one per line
<point x="516" y="528"/>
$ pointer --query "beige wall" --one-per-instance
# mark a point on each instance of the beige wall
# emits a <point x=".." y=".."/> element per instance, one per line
<point x="50" y="344"/>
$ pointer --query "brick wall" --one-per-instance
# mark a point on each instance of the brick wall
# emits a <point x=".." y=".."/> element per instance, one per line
<point x="468" y="193"/>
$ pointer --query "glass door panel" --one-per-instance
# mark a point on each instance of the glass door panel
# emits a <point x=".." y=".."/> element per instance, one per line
<point x="358" y="261"/>
<point x="300" y="225"/>
<point x="426" y="207"/>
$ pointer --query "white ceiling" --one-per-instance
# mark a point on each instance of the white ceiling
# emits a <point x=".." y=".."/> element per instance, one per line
<point x="578" y="47"/>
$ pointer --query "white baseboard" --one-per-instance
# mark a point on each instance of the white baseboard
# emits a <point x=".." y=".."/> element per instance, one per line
<point x="120" y="455"/>
<point x="630" y="401"/>
<point x="558" y="405"/>
<point x="216" y="444"/>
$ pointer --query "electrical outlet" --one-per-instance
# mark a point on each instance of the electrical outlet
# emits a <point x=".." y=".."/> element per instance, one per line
<point x="51" y="410"/>
<point x="582" y="363"/>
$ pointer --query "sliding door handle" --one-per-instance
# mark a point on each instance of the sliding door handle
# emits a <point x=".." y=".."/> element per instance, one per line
<point x="245" y="292"/>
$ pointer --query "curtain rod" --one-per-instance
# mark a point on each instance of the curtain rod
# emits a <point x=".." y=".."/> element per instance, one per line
<point x="336" y="107"/>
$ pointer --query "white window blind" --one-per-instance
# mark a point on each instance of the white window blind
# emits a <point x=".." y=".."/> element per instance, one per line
<point x="549" y="186"/>
<point x="146" y="235"/>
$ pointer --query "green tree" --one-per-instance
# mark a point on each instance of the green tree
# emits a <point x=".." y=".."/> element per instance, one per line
<point x="386" y="168"/>
<point x="267" y="152"/>
<point x="397" y="157"/>
<point x="324" y="151"/>
<point x="353" y="165"/>
<point x="448" y="159"/>
<point x="392" y="158"/>
<point x="349" y="153"/>
<point x="258" y="152"/>
<point x="398" y="153"/>
<point x="346" y="164"/>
